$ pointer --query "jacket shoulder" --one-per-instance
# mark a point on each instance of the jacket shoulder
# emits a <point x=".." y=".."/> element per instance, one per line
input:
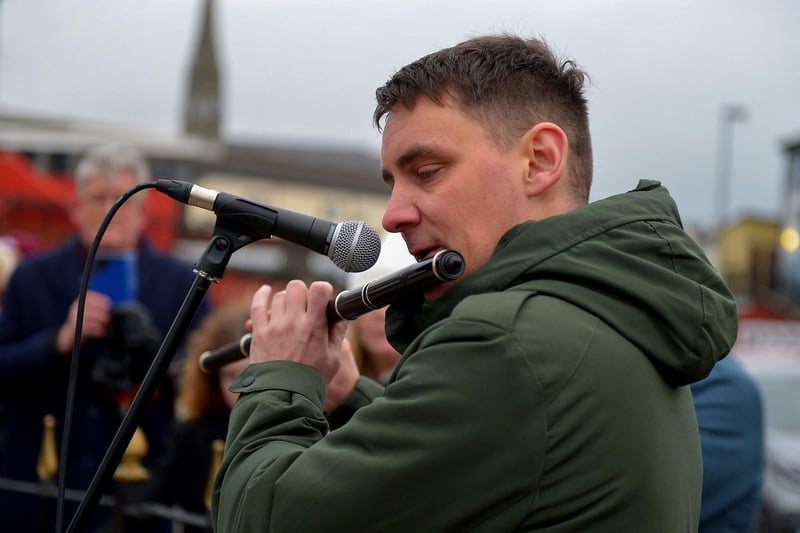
<point x="497" y="308"/>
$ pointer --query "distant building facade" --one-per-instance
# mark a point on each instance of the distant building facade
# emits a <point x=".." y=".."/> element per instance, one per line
<point x="746" y="256"/>
<point x="788" y="255"/>
<point x="333" y="184"/>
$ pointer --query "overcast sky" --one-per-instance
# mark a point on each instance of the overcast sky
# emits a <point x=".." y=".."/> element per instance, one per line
<point x="306" y="70"/>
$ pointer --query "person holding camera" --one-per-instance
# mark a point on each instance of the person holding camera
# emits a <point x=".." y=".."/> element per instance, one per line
<point x="129" y="308"/>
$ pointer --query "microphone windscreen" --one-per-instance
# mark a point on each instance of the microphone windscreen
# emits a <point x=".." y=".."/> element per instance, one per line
<point x="355" y="246"/>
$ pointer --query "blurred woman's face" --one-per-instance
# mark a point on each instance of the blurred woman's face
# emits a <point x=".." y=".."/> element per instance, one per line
<point x="372" y="337"/>
<point x="227" y="374"/>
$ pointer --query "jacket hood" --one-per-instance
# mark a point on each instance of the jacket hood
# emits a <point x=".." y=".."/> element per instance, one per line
<point x="626" y="260"/>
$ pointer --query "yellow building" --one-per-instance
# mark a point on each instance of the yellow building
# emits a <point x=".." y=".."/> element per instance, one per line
<point x="746" y="256"/>
<point x="788" y="256"/>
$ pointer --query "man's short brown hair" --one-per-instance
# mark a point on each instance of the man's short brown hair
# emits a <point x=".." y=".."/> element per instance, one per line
<point x="507" y="83"/>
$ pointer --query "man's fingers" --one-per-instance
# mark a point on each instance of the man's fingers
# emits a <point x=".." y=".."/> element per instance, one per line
<point x="319" y="294"/>
<point x="295" y="298"/>
<point x="259" y="305"/>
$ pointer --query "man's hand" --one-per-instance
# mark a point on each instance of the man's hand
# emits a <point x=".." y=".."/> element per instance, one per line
<point x="96" y="316"/>
<point x="293" y="327"/>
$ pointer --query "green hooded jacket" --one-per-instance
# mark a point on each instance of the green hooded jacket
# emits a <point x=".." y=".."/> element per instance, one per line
<point x="545" y="392"/>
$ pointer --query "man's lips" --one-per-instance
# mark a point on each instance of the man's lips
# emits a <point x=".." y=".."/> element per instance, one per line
<point x="421" y="254"/>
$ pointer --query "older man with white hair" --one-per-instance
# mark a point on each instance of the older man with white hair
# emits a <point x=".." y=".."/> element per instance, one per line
<point x="119" y="338"/>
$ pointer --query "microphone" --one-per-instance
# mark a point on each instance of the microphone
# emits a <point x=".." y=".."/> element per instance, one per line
<point x="446" y="265"/>
<point x="353" y="246"/>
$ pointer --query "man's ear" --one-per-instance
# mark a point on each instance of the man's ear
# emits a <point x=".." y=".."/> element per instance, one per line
<point x="547" y="147"/>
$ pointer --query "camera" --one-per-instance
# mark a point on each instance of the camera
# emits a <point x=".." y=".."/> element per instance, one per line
<point x="128" y="350"/>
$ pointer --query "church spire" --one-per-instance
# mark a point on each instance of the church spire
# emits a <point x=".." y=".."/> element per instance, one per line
<point x="202" y="114"/>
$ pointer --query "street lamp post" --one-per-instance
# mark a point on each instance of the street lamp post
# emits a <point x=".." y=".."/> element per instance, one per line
<point x="729" y="114"/>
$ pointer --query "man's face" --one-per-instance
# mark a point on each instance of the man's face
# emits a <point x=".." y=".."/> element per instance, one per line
<point x="451" y="187"/>
<point x="95" y="200"/>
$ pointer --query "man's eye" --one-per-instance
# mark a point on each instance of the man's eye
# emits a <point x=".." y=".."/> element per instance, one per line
<point x="427" y="172"/>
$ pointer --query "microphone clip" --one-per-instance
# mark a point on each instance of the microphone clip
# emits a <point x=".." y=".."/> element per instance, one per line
<point x="225" y="241"/>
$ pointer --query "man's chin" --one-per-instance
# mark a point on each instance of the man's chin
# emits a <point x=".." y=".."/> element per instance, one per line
<point x="434" y="293"/>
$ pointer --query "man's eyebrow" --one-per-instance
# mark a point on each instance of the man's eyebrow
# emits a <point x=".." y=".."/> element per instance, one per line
<point x="406" y="158"/>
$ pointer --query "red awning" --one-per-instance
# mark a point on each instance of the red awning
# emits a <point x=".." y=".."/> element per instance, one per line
<point x="21" y="180"/>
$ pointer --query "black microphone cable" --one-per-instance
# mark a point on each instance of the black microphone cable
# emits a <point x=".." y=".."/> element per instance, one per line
<point x="359" y="245"/>
<point x="74" y="363"/>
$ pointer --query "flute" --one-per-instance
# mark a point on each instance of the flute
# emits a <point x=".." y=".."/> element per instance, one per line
<point x="446" y="265"/>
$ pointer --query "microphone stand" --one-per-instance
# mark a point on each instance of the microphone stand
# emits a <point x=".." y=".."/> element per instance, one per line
<point x="210" y="268"/>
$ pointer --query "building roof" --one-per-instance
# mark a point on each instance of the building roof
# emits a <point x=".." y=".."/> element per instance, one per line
<point x="345" y="167"/>
<point x="26" y="132"/>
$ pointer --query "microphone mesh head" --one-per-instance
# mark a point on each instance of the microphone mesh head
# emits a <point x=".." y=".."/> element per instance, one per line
<point x="355" y="246"/>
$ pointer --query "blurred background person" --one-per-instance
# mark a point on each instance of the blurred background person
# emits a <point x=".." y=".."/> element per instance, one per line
<point x="14" y="247"/>
<point x="367" y="357"/>
<point x="201" y="416"/>
<point x="119" y="339"/>
<point x="731" y="422"/>
<point x="374" y="356"/>
<point x="9" y="258"/>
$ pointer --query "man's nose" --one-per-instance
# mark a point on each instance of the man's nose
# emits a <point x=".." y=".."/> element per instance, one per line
<point x="402" y="210"/>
